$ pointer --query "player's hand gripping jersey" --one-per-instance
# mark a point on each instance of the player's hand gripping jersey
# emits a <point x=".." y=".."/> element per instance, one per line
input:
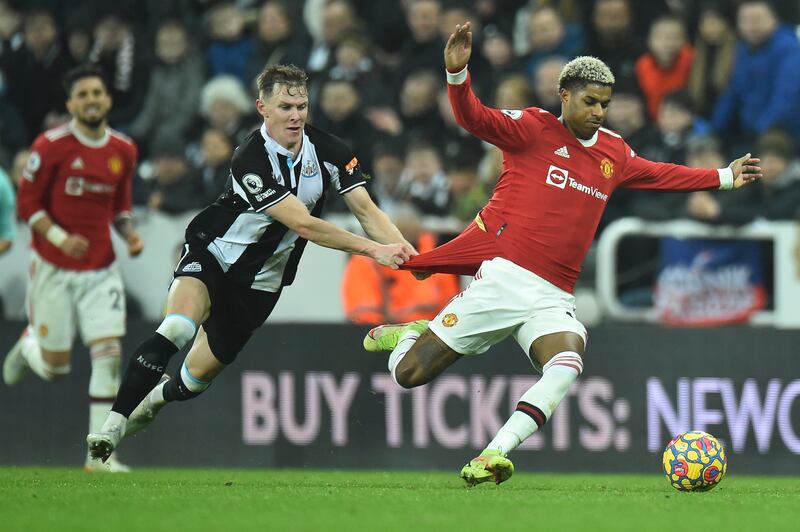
<point x="552" y="191"/>
<point x="83" y="185"/>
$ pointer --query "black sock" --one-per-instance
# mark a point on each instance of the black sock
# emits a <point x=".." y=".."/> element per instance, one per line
<point x="175" y="390"/>
<point x="145" y="368"/>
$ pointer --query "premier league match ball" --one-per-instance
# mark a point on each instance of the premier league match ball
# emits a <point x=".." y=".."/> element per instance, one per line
<point x="694" y="461"/>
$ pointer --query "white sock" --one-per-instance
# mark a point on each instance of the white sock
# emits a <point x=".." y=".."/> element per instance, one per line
<point x="104" y="382"/>
<point x="32" y="354"/>
<point x="114" y="418"/>
<point x="403" y="346"/>
<point x="537" y="404"/>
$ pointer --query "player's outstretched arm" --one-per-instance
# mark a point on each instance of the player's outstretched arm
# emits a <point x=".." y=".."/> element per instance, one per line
<point x="294" y="215"/>
<point x="745" y="170"/>
<point x="373" y="221"/>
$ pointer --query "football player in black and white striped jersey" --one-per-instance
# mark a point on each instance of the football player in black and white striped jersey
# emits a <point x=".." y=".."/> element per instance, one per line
<point x="244" y="248"/>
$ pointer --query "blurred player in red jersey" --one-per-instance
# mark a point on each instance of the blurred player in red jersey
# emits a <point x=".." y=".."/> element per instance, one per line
<point x="526" y="246"/>
<point x="76" y="183"/>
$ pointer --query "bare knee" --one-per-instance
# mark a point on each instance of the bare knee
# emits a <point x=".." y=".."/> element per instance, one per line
<point x="429" y="357"/>
<point x="409" y="375"/>
<point x="56" y="363"/>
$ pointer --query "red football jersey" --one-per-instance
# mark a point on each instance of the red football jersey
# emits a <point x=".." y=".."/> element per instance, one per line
<point x="83" y="185"/>
<point x="552" y="191"/>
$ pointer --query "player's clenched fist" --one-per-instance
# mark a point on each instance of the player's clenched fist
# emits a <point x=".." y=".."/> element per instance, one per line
<point x="75" y="246"/>
<point x="392" y="255"/>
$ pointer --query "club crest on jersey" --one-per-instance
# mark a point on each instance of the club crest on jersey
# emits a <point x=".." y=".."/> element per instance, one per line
<point x="449" y="320"/>
<point x="252" y="183"/>
<point x="557" y="177"/>
<point x="513" y="114"/>
<point x="607" y="167"/>
<point x="115" y="165"/>
<point x="309" y="169"/>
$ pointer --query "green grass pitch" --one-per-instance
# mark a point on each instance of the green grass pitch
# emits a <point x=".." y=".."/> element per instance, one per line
<point x="151" y="500"/>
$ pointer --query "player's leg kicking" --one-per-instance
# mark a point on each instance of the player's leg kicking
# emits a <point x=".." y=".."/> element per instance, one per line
<point x="469" y="324"/>
<point x="188" y="304"/>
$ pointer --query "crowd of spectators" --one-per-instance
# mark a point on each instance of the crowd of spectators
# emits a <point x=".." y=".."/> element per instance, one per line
<point x="181" y="75"/>
<point x="698" y="82"/>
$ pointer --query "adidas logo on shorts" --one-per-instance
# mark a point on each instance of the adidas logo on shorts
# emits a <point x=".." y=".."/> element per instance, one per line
<point x="192" y="267"/>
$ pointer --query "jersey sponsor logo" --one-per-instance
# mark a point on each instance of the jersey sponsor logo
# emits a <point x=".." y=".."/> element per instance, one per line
<point x="562" y="152"/>
<point x="557" y="177"/>
<point x="115" y="165"/>
<point x="449" y="319"/>
<point x="351" y="166"/>
<point x="77" y="164"/>
<point x="252" y="183"/>
<point x="309" y="169"/>
<point x="264" y="195"/>
<point x="607" y="167"/>
<point x="513" y="114"/>
<point x="33" y="164"/>
<point x="76" y="186"/>
<point x="192" y="267"/>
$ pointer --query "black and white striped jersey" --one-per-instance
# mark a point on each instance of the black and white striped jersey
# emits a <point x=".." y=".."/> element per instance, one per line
<point x="252" y="248"/>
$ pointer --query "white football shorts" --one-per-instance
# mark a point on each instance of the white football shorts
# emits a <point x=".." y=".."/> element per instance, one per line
<point x="505" y="299"/>
<point x="59" y="300"/>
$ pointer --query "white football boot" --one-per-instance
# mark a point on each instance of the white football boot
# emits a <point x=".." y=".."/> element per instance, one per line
<point x="145" y="413"/>
<point x="112" y="465"/>
<point x="15" y="366"/>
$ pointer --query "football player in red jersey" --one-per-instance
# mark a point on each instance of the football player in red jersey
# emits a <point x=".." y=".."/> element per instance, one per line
<point x="526" y="246"/>
<point x="76" y="183"/>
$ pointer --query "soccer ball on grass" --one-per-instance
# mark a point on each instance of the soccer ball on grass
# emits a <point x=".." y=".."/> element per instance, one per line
<point x="694" y="461"/>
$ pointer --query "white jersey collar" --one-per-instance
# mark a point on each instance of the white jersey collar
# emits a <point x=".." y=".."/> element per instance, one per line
<point x="272" y="145"/>
<point x="86" y="141"/>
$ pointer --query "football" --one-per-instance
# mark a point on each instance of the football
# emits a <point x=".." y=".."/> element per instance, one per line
<point x="694" y="461"/>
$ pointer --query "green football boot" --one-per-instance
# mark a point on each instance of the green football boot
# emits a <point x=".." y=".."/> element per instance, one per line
<point x="490" y="465"/>
<point x="385" y="337"/>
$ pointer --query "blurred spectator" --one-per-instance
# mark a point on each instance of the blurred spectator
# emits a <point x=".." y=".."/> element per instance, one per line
<point x="337" y="20"/>
<point x="387" y="168"/>
<point x="216" y="150"/>
<point x="665" y="67"/>
<point x="423" y="51"/>
<point x="545" y="84"/>
<point x="8" y="212"/>
<point x="499" y="52"/>
<point x="423" y="181"/>
<point x="374" y="294"/>
<point x="418" y="107"/>
<point x="781" y="182"/>
<point x="498" y="14"/>
<point x="352" y="62"/>
<point x="173" y="187"/>
<point x="613" y="38"/>
<point x="513" y="92"/>
<point x="230" y="48"/>
<point x="13" y="133"/>
<point x="626" y="116"/>
<point x="79" y="44"/>
<point x="277" y="40"/>
<point x="455" y="143"/>
<point x="549" y="36"/>
<point x="737" y="207"/>
<point x="121" y="57"/>
<point x="675" y="123"/>
<point x="714" y="47"/>
<point x="468" y="193"/>
<point x="10" y="27"/>
<point x="33" y="72"/>
<point x="763" y="90"/>
<point x="225" y="105"/>
<point x="173" y="94"/>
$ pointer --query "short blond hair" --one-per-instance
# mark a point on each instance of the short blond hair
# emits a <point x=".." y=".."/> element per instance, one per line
<point x="583" y="70"/>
